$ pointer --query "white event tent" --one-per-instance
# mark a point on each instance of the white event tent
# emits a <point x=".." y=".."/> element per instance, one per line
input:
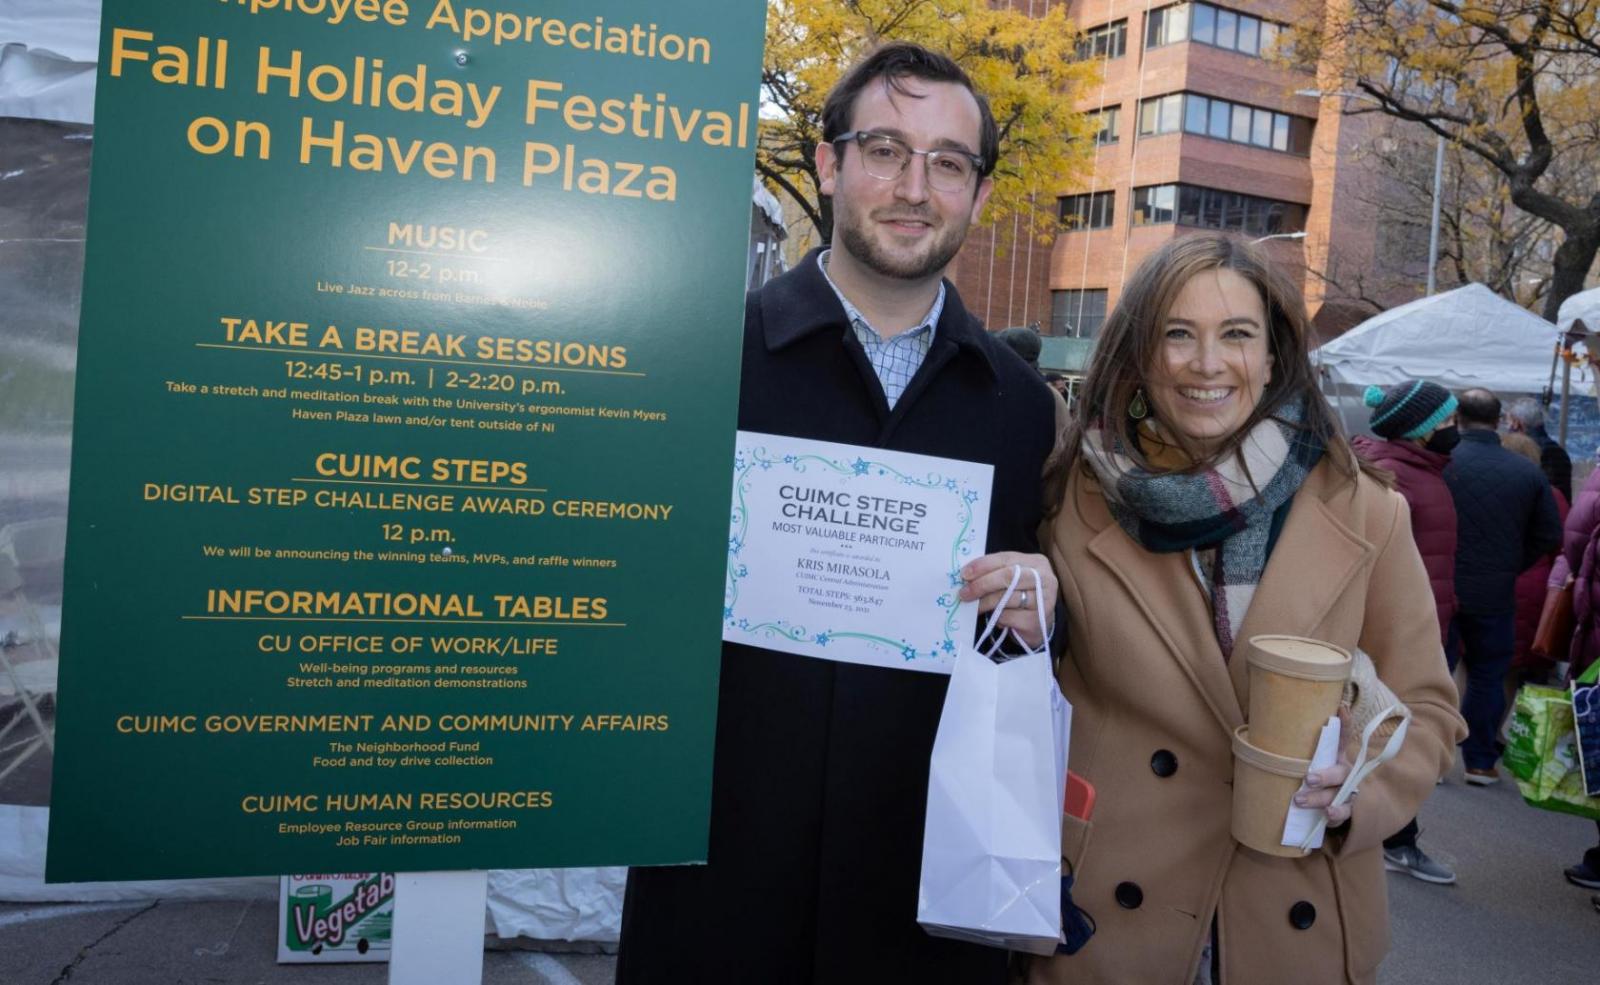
<point x="1468" y="337"/>
<point x="1583" y="306"/>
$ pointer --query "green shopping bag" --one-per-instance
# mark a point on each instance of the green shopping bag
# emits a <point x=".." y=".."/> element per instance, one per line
<point x="1543" y="752"/>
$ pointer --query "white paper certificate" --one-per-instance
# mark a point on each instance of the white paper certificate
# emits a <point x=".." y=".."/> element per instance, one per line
<point x="852" y="554"/>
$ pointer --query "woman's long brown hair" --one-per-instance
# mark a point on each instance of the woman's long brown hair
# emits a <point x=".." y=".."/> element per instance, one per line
<point x="1131" y="340"/>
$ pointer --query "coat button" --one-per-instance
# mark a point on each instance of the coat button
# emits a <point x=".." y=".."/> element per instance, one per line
<point x="1163" y="763"/>
<point x="1302" y="915"/>
<point x="1129" y="895"/>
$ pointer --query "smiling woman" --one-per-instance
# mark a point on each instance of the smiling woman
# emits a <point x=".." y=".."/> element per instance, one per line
<point x="1206" y="312"/>
<point x="1207" y="496"/>
<point x="1213" y="362"/>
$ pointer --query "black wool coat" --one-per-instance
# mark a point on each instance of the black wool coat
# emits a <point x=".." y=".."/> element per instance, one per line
<point x="1506" y="519"/>
<point x="821" y="769"/>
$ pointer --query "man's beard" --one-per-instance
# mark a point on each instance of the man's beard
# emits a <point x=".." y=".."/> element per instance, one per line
<point x="938" y="253"/>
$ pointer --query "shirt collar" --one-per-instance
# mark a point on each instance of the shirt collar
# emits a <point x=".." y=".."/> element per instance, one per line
<point x="792" y="308"/>
<point x="929" y="323"/>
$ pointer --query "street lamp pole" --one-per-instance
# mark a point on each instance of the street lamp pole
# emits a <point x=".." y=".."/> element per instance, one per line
<point x="1433" y="233"/>
<point x="1438" y="182"/>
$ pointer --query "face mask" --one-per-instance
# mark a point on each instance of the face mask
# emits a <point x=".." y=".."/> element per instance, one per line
<point x="1444" y="439"/>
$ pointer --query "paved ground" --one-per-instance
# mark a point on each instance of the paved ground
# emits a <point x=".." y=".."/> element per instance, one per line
<point x="214" y="943"/>
<point x="1510" y="919"/>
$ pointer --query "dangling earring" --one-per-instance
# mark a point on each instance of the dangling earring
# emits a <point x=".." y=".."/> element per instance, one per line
<point x="1137" y="408"/>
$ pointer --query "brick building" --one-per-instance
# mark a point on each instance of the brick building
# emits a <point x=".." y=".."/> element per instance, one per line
<point x="1199" y="130"/>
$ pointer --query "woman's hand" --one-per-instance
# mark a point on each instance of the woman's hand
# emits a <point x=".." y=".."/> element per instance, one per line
<point x="1323" y="784"/>
<point x="986" y="581"/>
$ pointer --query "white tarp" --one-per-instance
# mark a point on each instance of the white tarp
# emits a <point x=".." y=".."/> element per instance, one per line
<point x="1468" y="337"/>
<point x="543" y="904"/>
<point x="48" y="50"/>
<point x="557" y="904"/>
<point x="22" y="837"/>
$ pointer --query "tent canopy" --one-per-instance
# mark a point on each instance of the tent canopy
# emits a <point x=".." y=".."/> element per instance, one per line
<point x="1468" y="337"/>
<point x="1584" y="305"/>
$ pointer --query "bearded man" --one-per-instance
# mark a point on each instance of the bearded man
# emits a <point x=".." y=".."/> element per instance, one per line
<point x="820" y="779"/>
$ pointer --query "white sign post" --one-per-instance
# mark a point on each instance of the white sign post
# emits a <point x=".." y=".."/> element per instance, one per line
<point x="438" y="928"/>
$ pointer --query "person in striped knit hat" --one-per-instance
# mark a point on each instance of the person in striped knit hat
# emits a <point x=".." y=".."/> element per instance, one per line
<point x="1415" y="424"/>
<point x="1412" y="411"/>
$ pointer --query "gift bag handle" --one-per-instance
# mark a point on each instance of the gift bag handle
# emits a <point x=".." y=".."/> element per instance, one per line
<point x="994" y="617"/>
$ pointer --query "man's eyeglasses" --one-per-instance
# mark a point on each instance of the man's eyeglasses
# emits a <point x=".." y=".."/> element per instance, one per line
<point x="885" y="158"/>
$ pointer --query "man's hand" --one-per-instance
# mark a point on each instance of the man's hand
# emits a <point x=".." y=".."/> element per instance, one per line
<point x="987" y="579"/>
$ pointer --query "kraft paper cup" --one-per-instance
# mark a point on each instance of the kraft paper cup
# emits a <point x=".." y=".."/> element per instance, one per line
<point x="1295" y="687"/>
<point x="1264" y="785"/>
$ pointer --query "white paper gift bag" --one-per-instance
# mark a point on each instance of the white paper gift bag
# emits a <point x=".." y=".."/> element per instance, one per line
<point x="991" y="848"/>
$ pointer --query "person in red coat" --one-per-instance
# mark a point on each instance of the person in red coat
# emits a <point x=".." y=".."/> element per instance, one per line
<point x="1415" y="422"/>
<point x="1531" y="585"/>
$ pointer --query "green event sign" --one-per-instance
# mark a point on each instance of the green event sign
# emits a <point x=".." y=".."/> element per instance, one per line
<point x="405" y="407"/>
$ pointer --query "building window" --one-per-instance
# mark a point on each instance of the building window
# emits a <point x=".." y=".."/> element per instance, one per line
<point x="1162" y="114"/>
<point x="1261" y="128"/>
<point x="1154" y="204"/>
<point x="1213" y="25"/>
<point x="1227" y="29"/>
<point x="1088" y="211"/>
<point x="1106" y="41"/>
<point x="1221" y="112"/>
<point x="1223" y="120"/>
<point x="1299" y="135"/>
<point x="1240" y="134"/>
<point x="1168" y="25"/>
<point x="1210" y="208"/>
<point x="1270" y="34"/>
<point x="1079" y="314"/>
<point x="1249" y="35"/>
<point x="1109" y="124"/>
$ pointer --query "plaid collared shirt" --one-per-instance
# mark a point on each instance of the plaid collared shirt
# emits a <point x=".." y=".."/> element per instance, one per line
<point x="895" y="360"/>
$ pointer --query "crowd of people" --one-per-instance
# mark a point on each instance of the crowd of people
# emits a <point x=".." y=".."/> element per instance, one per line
<point x="1203" y="493"/>
<point x="1490" y="514"/>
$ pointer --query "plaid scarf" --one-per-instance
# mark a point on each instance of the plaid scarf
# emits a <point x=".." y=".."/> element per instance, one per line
<point x="1226" y="510"/>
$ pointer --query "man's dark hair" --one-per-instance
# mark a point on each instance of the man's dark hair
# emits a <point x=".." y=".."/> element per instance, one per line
<point x="1479" y="407"/>
<point x="902" y="60"/>
<point x="1024" y="342"/>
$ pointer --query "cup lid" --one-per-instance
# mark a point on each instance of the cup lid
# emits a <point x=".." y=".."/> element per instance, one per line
<point x="1270" y="762"/>
<point x="1297" y="656"/>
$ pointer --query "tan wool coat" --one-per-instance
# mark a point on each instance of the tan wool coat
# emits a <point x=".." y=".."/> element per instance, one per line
<point x="1154" y="708"/>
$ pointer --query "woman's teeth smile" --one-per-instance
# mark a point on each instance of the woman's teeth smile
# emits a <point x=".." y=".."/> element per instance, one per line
<point x="1209" y="396"/>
